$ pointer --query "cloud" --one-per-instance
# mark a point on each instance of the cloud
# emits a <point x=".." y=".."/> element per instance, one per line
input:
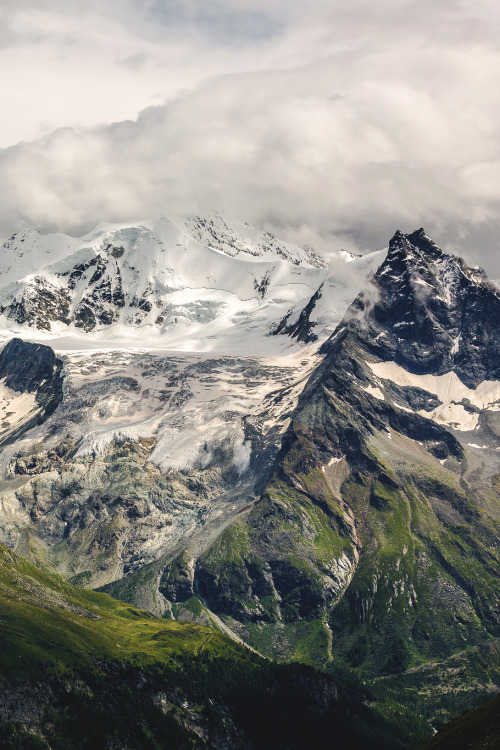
<point x="74" y="64"/>
<point x="339" y="124"/>
<point x="226" y="23"/>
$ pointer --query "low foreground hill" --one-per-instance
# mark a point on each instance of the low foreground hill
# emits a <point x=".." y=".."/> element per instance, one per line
<point x="79" y="669"/>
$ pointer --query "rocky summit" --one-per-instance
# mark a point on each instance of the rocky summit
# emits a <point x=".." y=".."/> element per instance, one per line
<point x="217" y="426"/>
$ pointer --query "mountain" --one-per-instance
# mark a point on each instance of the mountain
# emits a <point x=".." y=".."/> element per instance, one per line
<point x="168" y="428"/>
<point x="376" y="538"/>
<point x="187" y="284"/>
<point x="304" y="455"/>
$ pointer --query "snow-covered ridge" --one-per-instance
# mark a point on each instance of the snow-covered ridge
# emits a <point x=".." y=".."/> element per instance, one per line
<point x="236" y="238"/>
<point x="186" y="284"/>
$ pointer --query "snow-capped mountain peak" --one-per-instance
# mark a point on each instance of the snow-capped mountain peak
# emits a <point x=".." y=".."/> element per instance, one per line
<point x="195" y="283"/>
<point x="430" y="313"/>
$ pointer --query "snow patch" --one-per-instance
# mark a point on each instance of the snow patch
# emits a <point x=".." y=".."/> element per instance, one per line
<point x="331" y="462"/>
<point x="15" y="407"/>
<point x="374" y="391"/>
<point x="456" y="344"/>
<point x="449" y="389"/>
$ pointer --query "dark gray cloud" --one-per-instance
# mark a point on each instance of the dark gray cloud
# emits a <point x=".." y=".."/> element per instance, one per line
<point x="338" y="124"/>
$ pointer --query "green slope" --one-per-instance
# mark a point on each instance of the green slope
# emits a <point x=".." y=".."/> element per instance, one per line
<point x="79" y="669"/>
<point x="50" y="625"/>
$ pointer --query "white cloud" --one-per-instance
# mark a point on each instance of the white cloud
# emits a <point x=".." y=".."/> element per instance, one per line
<point x="324" y="119"/>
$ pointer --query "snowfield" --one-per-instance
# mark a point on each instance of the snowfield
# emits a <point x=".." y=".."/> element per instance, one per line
<point x="157" y="286"/>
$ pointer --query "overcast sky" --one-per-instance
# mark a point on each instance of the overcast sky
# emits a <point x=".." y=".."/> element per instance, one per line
<point x="335" y="122"/>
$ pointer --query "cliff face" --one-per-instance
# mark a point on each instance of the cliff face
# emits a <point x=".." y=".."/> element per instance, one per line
<point x="31" y="387"/>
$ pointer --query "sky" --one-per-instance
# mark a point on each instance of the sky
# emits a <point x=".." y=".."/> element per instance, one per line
<point x="332" y="123"/>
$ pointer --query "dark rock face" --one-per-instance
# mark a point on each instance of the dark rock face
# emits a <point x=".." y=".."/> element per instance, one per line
<point x="89" y="295"/>
<point x="26" y="366"/>
<point x="303" y="328"/>
<point x="103" y="297"/>
<point x="40" y="304"/>
<point x="32" y="368"/>
<point x="176" y="582"/>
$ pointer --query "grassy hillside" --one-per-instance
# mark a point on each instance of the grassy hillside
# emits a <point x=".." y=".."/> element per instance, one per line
<point x="81" y="670"/>
<point x="50" y="626"/>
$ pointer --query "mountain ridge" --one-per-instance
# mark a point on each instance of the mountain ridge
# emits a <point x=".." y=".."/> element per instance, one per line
<point x="335" y="451"/>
